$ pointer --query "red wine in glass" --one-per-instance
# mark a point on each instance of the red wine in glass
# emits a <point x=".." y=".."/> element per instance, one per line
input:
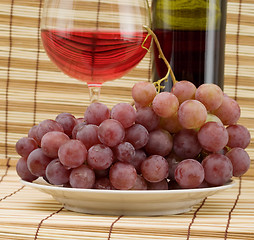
<point x="93" y="40"/>
<point x="95" y="56"/>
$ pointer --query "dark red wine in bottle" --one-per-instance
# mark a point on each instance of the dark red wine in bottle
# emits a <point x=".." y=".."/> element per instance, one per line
<point x="192" y="38"/>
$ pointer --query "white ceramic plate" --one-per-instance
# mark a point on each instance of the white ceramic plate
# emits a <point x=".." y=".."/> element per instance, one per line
<point x="121" y="202"/>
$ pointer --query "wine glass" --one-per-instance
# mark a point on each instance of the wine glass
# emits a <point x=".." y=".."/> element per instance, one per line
<point x="95" y="40"/>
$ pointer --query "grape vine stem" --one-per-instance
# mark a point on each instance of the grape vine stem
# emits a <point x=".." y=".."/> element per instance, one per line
<point x="161" y="55"/>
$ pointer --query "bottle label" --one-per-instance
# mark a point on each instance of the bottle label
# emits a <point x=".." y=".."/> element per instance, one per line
<point x="187" y="14"/>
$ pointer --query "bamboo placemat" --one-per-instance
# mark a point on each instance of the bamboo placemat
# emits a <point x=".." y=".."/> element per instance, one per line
<point x="29" y="214"/>
<point x="33" y="89"/>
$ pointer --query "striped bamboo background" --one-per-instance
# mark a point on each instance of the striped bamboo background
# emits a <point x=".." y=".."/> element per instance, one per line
<point x="33" y="89"/>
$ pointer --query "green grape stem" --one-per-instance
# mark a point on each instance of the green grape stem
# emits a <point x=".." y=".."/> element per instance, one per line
<point x="162" y="56"/>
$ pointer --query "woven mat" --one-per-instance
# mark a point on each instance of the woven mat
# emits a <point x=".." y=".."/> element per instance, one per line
<point x="33" y="89"/>
<point x="29" y="214"/>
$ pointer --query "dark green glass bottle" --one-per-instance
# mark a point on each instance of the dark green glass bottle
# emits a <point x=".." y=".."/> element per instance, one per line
<point x="192" y="36"/>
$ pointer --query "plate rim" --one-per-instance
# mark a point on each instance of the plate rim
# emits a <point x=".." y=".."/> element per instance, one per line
<point x="47" y="186"/>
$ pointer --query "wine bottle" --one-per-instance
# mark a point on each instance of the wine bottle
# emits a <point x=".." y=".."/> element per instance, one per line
<point x="192" y="37"/>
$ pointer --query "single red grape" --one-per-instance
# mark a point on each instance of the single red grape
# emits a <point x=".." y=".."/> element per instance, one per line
<point x="186" y="144"/>
<point x="100" y="157"/>
<point x="88" y="135"/>
<point x="192" y="114"/>
<point x="72" y="154"/>
<point x="218" y="169"/>
<point x="111" y="132"/>
<point x="210" y="95"/>
<point x="68" y="122"/>
<point x="124" y="152"/>
<point x="124" y="113"/>
<point x="137" y="135"/>
<point x="240" y="160"/>
<point x="165" y="104"/>
<point x="229" y="111"/>
<point x="82" y="177"/>
<point x="96" y="113"/>
<point x="238" y="136"/>
<point x="23" y="171"/>
<point x="25" y="146"/>
<point x="213" y="136"/>
<point x="189" y="173"/>
<point x="143" y="93"/>
<point x="122" y="175"/>
<point x="52" y="141"/>
<point x="184" y="90"/>
<point x="56" y="173"/>
<point x="160" y="143"/>
<point x="154" y="168"/>
<point x="37" y="162"/>
<point x="148" y="118"/>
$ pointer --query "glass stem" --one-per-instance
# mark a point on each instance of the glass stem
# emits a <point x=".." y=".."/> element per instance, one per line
<point x="94" y="92"/>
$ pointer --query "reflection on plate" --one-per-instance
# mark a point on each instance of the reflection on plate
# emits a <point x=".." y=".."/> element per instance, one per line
<point x="121" y="202"/>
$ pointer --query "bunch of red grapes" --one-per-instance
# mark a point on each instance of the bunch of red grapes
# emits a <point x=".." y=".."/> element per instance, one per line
<point x="186" y="138"/>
